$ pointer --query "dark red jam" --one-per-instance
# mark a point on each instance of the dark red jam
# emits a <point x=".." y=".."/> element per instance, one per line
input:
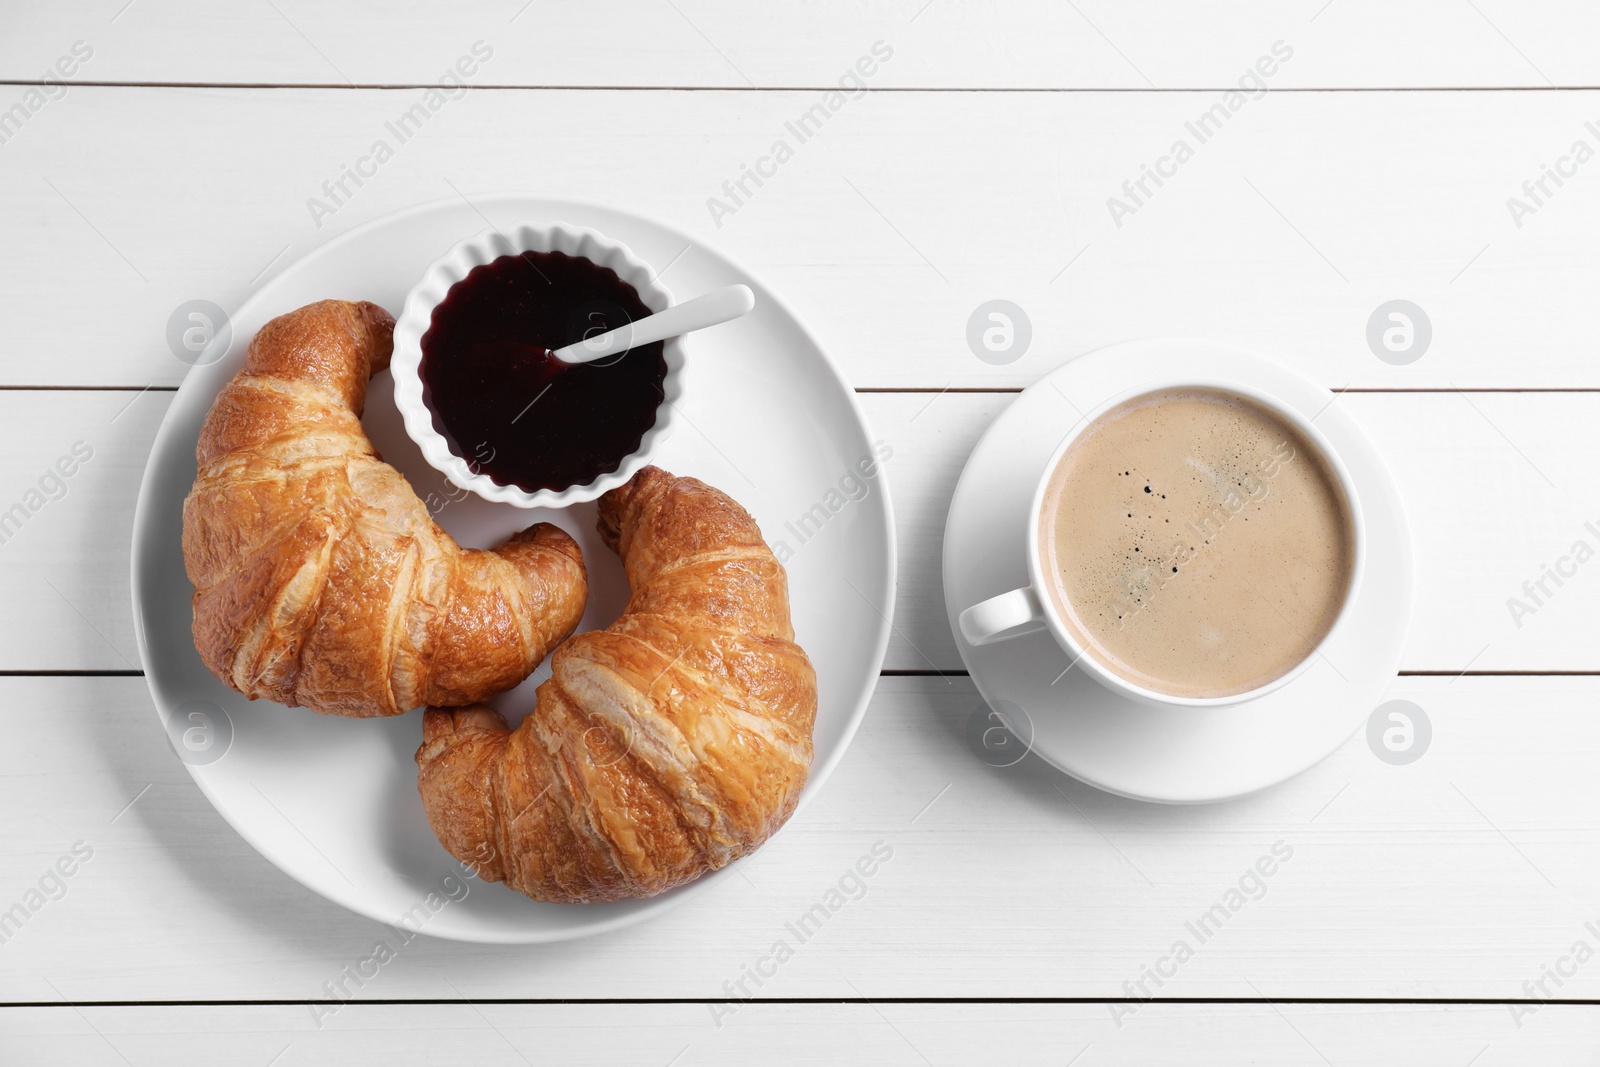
<point x="506" y="404"/>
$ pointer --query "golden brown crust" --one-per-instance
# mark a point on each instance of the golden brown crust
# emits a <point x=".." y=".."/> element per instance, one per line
<point x="320" y="579"/>
<point x="667" y="745"/>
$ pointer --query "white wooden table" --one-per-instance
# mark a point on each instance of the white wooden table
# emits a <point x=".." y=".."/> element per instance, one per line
<point x="1431" y="913"/>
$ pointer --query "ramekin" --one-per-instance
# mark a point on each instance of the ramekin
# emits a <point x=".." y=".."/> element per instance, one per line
<point x="424" y="426"/>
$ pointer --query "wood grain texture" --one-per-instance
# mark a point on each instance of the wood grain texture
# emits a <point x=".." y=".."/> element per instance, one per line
<point x="913" y="1035"/>
<point x="1472" y="469"/>
<point x="885" y="231"/>
<point x="1093" y="44"/>
<point x="1461" y="875"/>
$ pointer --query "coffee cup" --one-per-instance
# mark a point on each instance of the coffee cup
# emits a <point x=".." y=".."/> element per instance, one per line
<point x="1183" y="602"/>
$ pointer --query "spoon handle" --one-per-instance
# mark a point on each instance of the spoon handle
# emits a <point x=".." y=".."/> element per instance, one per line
<point x="714" y="308"/>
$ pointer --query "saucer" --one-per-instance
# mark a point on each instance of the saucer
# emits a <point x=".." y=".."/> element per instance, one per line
<point x="1165" y="754"/>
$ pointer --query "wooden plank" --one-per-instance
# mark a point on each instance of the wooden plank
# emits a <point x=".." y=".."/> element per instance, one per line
<point x="1473" y="469"/>
<point x="1496" y="494"/>
<point x="912" y="1034"/>
<point x="1033" y="44"/>
<point x="886" y="230"/>
<point x="1462" y="875"/>
<point x="68" y="561"/>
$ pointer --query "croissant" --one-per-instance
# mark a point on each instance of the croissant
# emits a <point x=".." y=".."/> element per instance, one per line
<point x="320" y="579"/>
<point x="667" y="745"/>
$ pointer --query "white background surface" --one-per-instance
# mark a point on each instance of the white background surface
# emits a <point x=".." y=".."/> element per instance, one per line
<point x="1420" y="899"/>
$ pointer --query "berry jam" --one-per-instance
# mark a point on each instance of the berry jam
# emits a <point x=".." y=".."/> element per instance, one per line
<point x="506" y="404"/>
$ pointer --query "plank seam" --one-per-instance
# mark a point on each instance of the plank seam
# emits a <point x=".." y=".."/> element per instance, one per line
<point x="553" y="1001"/>
<point x="70" y="674"/>
<point x="509" y="87"/>
<point x="1353" y="389"/>
<point x="94" y="388"/>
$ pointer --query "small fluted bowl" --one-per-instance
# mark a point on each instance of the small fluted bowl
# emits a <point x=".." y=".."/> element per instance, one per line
<point x="424" y="426"/>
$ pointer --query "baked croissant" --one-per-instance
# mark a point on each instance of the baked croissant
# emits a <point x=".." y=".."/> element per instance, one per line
<point x="663" y="747"/>
<point x="320" y="579"/>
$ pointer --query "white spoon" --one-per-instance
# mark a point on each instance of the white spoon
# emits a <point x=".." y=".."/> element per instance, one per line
<point x="712" y="309"/>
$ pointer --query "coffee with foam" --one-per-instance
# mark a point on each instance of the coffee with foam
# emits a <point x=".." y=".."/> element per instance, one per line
<point x="1196" y="543"/>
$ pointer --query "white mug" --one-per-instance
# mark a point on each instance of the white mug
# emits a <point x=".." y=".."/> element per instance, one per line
<point x="1031" y="608"/>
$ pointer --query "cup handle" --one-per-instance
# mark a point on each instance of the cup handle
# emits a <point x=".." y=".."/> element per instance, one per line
<point x="1001" y="617"/>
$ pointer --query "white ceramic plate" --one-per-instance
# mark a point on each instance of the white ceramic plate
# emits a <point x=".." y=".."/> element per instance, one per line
<point x="333" y="802"/>
<point x="1163" y="754"/>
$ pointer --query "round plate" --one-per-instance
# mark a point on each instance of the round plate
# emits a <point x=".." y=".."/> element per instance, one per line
<point x="1169" y="755"/>
<point x="333" y="802"/>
